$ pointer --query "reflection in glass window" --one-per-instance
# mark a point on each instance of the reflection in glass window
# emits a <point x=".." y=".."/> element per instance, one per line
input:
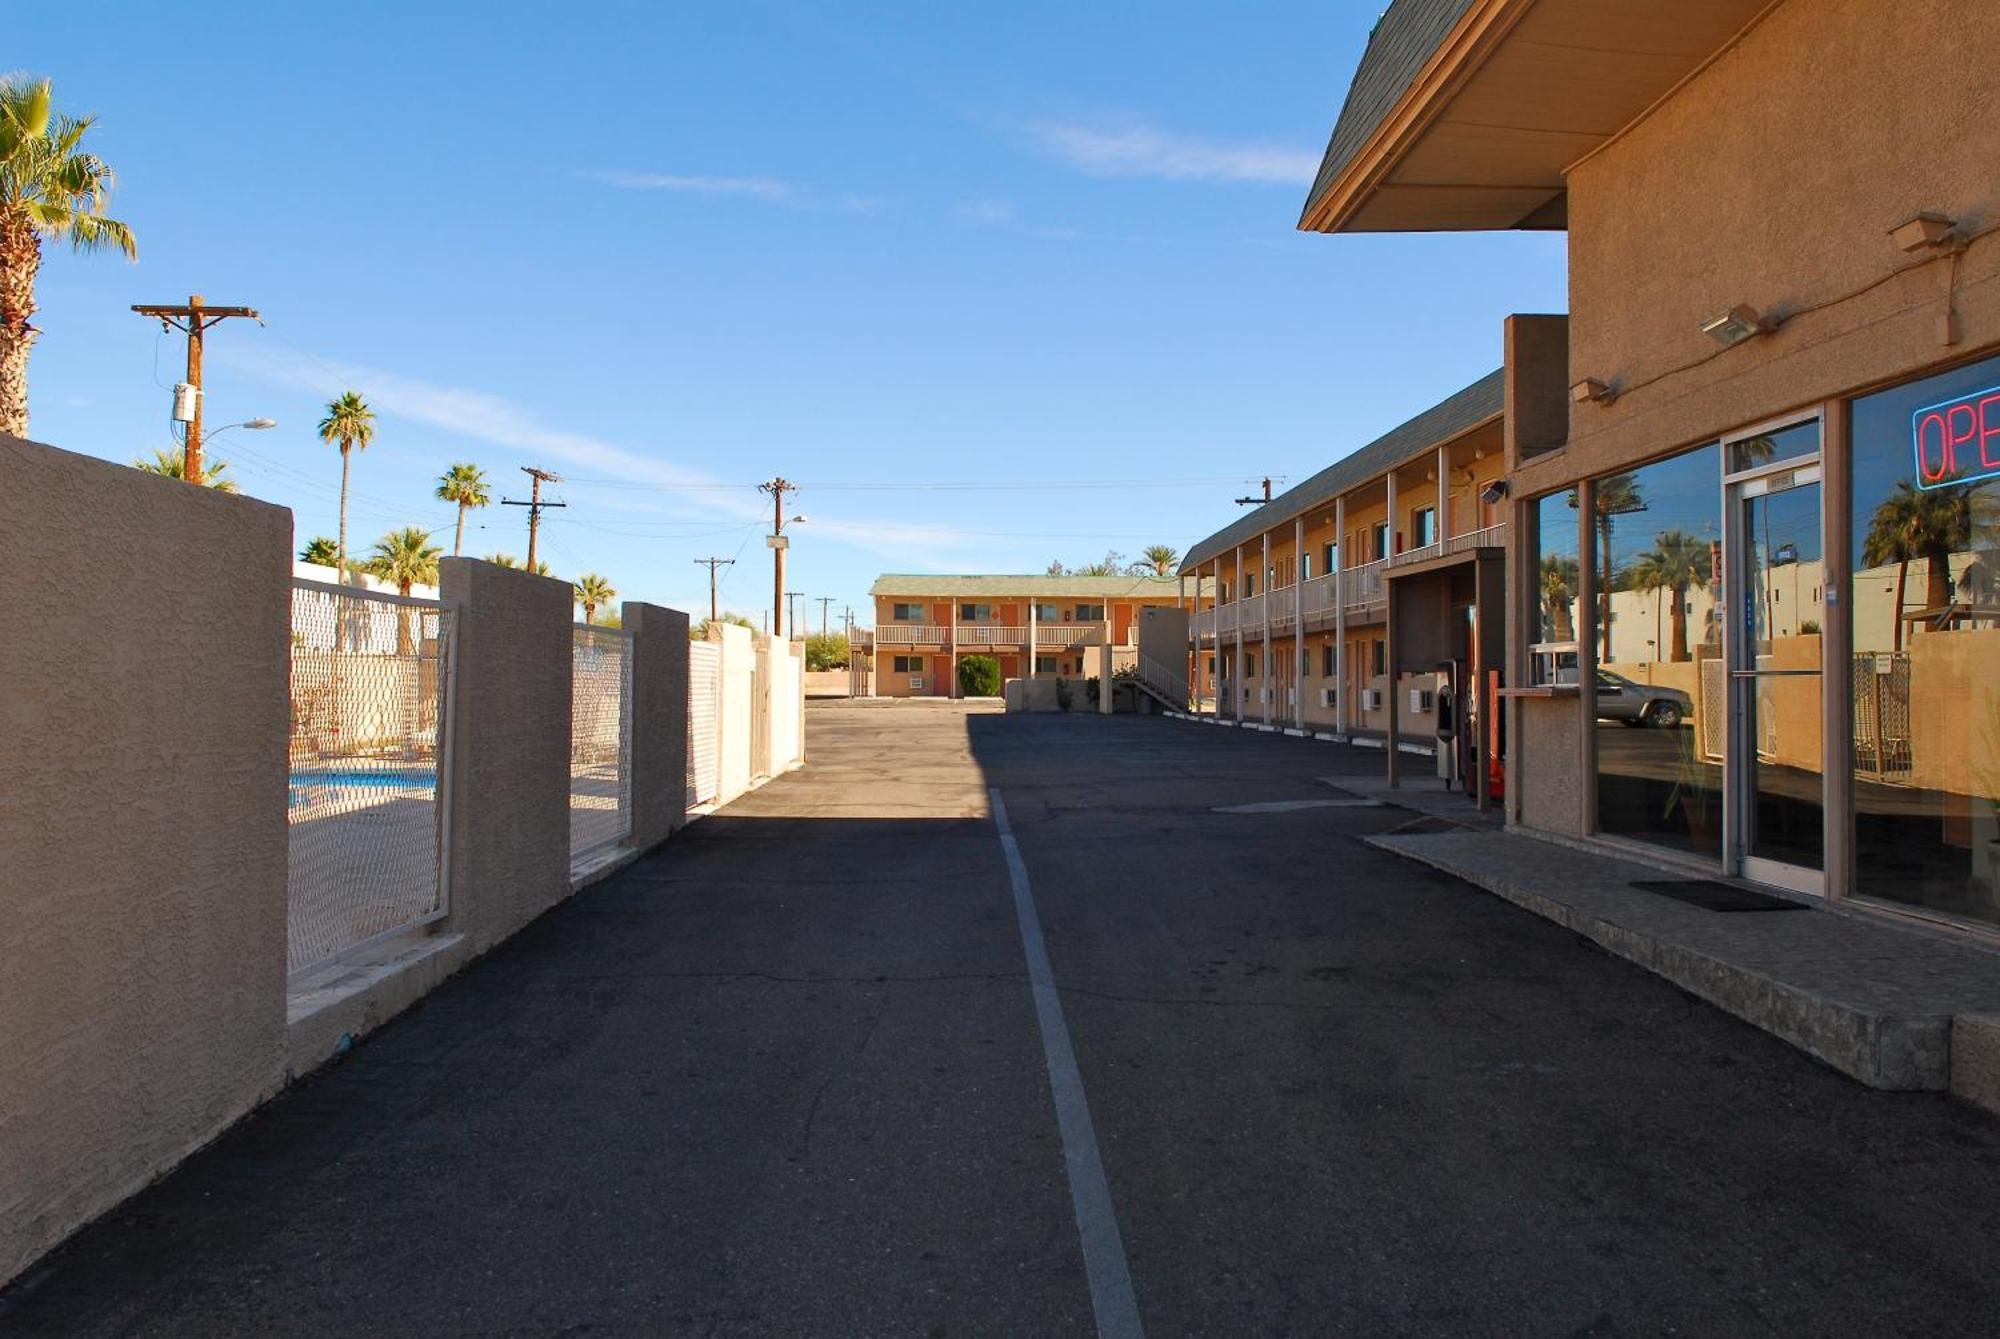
<point x="1552" y="638"/>
<point x="1926" y="670"/>
<point x="1660" y="680"/>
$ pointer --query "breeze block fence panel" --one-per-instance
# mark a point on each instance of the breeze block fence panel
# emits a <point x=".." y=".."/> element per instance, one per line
<point x="144" y="651"/>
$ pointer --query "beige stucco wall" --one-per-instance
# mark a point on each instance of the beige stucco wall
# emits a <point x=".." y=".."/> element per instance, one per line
<point x="510" y="777"/>
<point x="1542" y="772"/>
<point x="143" y="645"/>
<point x="1771" y="179"/>
<point x="659" y="720"/>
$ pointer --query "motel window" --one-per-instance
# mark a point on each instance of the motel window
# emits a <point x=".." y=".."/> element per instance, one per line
<point x="975" y="613"/>
<point x="1045" y="664"/>
<point x="1305" y="662"/>
<point x="1249" y="664"/>
<point x="1249" y="584"/>
<point x="1328" y="559"/>
<point x="1423" y="527"/>
<point x="1305" y="567"/>
<point x="907" y="613"/>
<point x="1925" y="525"/>
<point x="1378" y="657"/>
<point x="1326" y="661"/>
<point x="1046" y="613"/>
<point x="1379" y="540"/>
<point x="1090" y="613"/>
<point x="909" y="665"/>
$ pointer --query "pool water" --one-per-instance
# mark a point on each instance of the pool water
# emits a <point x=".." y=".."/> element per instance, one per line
<point x="349" y="784"/>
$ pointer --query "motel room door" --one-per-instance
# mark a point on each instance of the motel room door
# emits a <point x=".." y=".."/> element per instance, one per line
<point x="1775" y="810"/>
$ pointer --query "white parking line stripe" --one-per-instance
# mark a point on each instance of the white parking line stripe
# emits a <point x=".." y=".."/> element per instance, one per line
<point x="1111" y="1298"/>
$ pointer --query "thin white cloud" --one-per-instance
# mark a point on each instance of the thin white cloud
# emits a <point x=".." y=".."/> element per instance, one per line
<point x="763" y="188"/>
<point x="987" y="211"/>
<point x="1142" y="151"/>
<point x="500" y="422"/>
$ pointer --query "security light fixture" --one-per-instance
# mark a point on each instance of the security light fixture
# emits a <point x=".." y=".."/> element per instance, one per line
<point x="1739" y="323"/>
<point x="1493" y="492"/>
<point x="1589" y="389"/>
<point x="1926" y="232"/>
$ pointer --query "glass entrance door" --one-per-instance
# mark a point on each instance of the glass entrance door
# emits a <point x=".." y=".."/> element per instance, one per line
<point x="1776" y="600"/>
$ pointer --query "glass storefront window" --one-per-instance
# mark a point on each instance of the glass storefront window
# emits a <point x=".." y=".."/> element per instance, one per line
<point x="1553" y="614"/>
<point x="1768" y="448"/>
<point x="1660" y="678"/>
<point x="1926" y="619"/>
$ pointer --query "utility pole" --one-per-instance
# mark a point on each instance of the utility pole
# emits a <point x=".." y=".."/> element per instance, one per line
<point x="791" y="614"/>
<point x="195" y="318"/>
<point x="1256" y="501"/>
<point x="534" y="504"/>
<point x="824" y="601"/>
<point x="711" y="564"/>
<point x="777" y="488"/>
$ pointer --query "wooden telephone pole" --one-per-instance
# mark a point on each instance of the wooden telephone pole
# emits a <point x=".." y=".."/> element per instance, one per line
<point x="194" y="317"/>
<point x="777" y="488"/>
<point x="824" y="602"/>
<point x="534" y="504"/>
<point x="1256" y="501"/>
<point x="714" y="615"/>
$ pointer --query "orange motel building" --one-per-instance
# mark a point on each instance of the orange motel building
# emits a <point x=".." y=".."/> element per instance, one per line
<point x="1752" y="475"/>
<point x="1037" y="627"/>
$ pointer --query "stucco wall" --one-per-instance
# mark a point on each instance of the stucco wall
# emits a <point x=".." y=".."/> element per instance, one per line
<point x="143" y="645"/>
<point x="1771" y="179"/>
<point x="510" y="778"/>
<point x="659" y="720"/>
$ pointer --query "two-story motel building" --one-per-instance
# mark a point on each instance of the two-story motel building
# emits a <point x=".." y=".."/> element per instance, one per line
<point x="1779" y="455"/>
<point x="1035" y="626"/>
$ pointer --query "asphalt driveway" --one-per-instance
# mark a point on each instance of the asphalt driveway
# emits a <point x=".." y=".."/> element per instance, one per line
<point x="791" y="1074"/>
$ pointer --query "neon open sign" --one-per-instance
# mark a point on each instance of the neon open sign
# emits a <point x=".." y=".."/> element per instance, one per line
<point x="1957" y="441"/>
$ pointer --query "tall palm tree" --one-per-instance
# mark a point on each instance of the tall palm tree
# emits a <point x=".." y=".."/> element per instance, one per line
<point x="1559" y="585"/>
<point x="320" y="551"/>
<point x="593" y="590"/>
<point x="173" y="465"/>
<point x="407" y="557"/>
<point x="1676" y="561"/>
<point x="1615" y="494"/>
<point x="1160" y="559"/>
<point x="503" y="560"/>
<point x="1914" y="523"/>
<point x="49" y="189"/>
<point x="349" y="422"/>
<point x="466" y="486"/>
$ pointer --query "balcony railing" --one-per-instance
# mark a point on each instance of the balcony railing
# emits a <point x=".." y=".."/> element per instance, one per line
<point x="991" y="634"/>
<point x="1491" y="536"/>
<point x="1069" y="634"/>
<point x="911" y="634"/>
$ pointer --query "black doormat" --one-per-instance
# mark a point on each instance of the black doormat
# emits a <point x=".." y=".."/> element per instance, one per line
<point x="1712" y="896"/>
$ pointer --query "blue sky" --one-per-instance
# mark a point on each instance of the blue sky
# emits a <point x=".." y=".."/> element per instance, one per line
<point x="898" y="253"/>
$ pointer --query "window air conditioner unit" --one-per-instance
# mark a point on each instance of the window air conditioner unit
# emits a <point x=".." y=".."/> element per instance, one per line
<point x="1371" y="699"/>
<point x="1329" y="697"/>
<point x="1423" y="699"/>
<point x="917" y="683"/>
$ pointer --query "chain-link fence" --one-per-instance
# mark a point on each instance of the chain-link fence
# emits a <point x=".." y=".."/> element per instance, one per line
<point x="370" y="678"/>
<point x="704" y="766"/>
<point x="600" y="740"/>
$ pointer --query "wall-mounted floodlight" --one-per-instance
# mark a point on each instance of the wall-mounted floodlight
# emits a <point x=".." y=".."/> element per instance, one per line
<point x="1739" y="323"/>
<point x="1926" y="232"/>
<point x="1589" y="389"/>
<point x="1493" y="492"/>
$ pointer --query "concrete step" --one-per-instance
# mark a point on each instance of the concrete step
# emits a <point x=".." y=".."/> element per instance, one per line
<point x="1874" y="998"/>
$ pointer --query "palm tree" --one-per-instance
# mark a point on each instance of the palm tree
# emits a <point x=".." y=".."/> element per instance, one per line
<point x="173" y="465"/>
<point x="350" y="423"/>
<point x="1160" y="559"/>
<point x="1559" y="583"/>
<point x="1110" y="565"/>
<point x="593" y="590"/>
<point x="1676" y="561"/>
<point x="49" y="189"/>
<point x="320" y="551"/>
<point x="1914" y="523"/>
<point x="407" y="557"/>
<point x="503" y="560"/>
<point x="1614" y="495"/>
<point x="465" y="485"/>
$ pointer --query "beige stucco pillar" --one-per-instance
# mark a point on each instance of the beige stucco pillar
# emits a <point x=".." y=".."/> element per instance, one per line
<point x="1236" y="684"/>
<point x="1270" y="679"/>
<point x="1104" y="662"/>
<point x="1034" y="627"/>
<point x="1298" y="623"/>
<point x="659" y="720"/>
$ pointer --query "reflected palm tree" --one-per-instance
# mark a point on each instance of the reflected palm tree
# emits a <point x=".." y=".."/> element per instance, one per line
<point x="1559" y="581"/>
<point x="1914" y="523"/>
<point x="1613" y="495"/>
<point x="1676" y="562"/>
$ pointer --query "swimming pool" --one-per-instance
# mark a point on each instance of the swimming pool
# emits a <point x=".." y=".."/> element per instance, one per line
<point x="348" y="784"/>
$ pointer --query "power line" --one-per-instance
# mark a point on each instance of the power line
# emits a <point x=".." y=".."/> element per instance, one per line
<point x="535" y="505"/>
<point x="711" y="564"/>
